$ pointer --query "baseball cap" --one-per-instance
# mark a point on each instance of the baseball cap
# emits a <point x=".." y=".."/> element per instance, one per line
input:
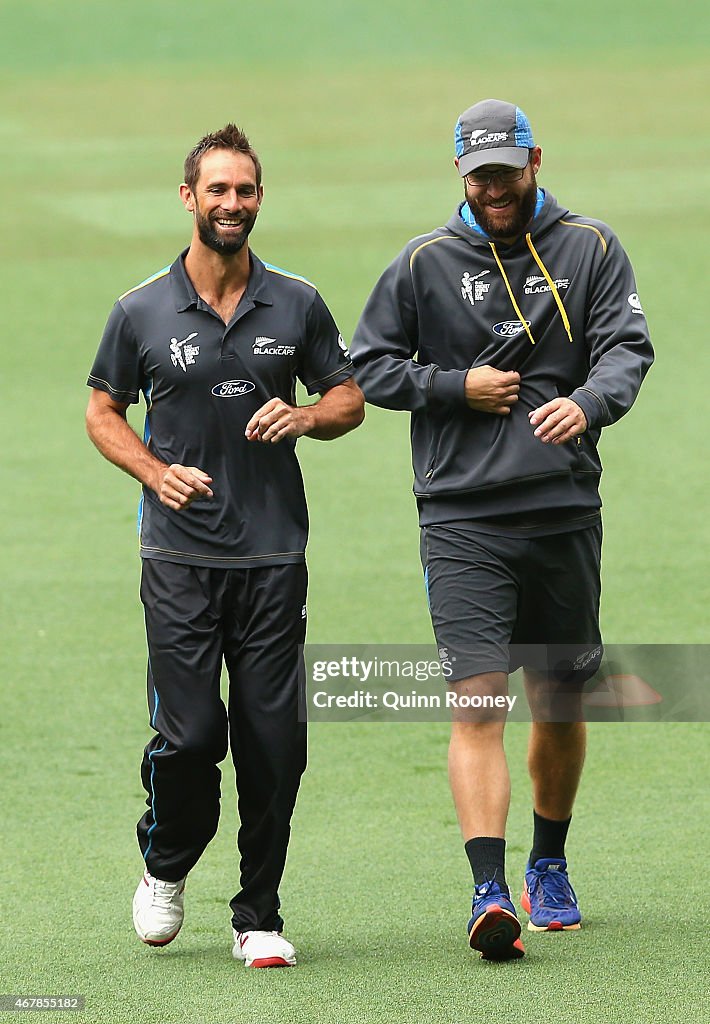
<point x="492" y="132"/>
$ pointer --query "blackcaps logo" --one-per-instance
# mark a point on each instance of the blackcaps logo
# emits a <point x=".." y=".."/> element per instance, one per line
<point x="535" y="284"/>
<point x="233" y="388"/>
<point x="476" y="139"/>
<point x="270" y="347"/>
<point x="587" y="657"/>
<point x="635" y="303"/>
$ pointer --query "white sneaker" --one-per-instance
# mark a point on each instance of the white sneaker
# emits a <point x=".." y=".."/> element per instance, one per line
<point x="158" y="910"/>
<point x="263" y="949"/>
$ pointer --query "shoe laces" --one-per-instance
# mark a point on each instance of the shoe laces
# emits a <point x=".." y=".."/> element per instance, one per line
<point x="490" y="888"/>
<point x="164" y="893"/>
<point x="484" y="889"/>
<point x="257" y="934"/>
<point x="555" y="887"/>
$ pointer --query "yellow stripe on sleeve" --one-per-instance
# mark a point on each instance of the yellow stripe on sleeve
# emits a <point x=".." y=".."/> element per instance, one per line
<point x="440" y="238"/>
<point x="589" y="227"/>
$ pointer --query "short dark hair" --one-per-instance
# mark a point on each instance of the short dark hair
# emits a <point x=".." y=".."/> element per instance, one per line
<point x="230" y="137"/>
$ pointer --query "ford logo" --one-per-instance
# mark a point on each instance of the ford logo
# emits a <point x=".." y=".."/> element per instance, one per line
<point x="509" y="328"/>
<point x="233" y="388"/>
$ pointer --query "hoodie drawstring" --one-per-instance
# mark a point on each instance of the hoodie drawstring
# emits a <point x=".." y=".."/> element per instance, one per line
<point x="553" y="289"/>
<point x="516" y="307"/>
<point x="553" y="286"/>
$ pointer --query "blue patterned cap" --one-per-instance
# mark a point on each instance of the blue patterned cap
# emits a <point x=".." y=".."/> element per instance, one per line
<point x="492" y="132"/>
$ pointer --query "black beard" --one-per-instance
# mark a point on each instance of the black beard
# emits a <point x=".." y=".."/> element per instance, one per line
<point x="225" y="247"/>
<point x="519" y="217"/>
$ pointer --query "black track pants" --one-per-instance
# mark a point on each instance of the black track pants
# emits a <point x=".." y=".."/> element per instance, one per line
<point x="254" y="619"/>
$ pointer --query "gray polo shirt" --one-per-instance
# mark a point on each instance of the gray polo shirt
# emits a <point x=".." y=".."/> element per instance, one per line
<point x="202" y="381"/>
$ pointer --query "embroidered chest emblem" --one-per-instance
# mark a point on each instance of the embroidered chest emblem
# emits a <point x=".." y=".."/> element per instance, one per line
<point x="473" y="288"/>
<point x="182" y="353"/>
<point x="271" y="347"/>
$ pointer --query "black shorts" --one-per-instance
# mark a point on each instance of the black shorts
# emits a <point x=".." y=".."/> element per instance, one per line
<point x="498" y="602"/>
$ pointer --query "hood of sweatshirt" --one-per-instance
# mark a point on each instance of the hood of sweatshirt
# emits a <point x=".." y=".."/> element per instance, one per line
<point x="545" y="218"/>
<point x="548" y="213"/>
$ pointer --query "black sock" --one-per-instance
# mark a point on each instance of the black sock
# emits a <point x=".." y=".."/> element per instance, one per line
<point x="548" y="838"/>
<point x="486" y="855"/>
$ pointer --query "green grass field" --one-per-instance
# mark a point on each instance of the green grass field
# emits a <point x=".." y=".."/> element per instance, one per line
<point x="351" y="106"/>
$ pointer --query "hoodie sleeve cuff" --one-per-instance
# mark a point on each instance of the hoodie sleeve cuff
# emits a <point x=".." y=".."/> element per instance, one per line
<point x="447" y="386"/>
<point x="592" y="407"/>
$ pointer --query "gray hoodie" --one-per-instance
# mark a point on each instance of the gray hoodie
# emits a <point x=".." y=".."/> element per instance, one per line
<point x="559" y="306"/>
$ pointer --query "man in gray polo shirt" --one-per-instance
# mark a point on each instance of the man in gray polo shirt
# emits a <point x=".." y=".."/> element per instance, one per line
<point x="215" y="344"/>
<point x="513" y="334"/>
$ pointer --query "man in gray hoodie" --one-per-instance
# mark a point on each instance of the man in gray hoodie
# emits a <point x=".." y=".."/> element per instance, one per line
<point x="513" y="334"/>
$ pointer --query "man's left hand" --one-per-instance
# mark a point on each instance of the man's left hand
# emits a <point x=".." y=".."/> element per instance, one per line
<point x="558" y="421"/>
<point x="277" y="420"/>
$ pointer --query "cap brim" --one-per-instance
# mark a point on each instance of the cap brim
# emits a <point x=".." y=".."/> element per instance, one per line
<point x="513" y="156"/>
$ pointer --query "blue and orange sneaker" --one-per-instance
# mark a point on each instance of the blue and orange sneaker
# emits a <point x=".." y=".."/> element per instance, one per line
<point x="549" y="898"/>
<point x="494" y="929"/>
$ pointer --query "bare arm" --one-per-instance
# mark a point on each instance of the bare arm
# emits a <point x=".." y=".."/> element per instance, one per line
<point x="340" y="409"/>
<point x="176" y="486"/>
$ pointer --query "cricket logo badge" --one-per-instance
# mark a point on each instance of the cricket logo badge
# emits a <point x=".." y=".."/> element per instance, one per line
<point x="473" y="288"/>
<point x="182" y="353"/>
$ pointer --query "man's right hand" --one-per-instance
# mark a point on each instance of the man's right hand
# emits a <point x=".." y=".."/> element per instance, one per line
<point x="178" y="486"/>
<point x="490" y="390"/>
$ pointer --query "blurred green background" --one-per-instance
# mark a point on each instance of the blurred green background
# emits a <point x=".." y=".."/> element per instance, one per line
<point x="351" y="107"/>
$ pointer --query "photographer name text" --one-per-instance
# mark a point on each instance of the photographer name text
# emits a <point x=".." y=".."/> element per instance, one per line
<point x="362" y="671"/>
